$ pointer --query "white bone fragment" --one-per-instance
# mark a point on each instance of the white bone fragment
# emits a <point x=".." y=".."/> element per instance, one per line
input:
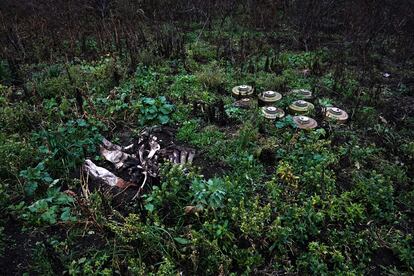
<point x="142" y="185"/>
<point x="104" y="175"/>
<point x="116" y="157"/>
<point x="176" y="155"/>
<point x="109" y="145"/>
<point x="190" y="158"/>
<point x="141" y="153"/>
<point x="183" y="157"/>
<point x="154" y="147"/>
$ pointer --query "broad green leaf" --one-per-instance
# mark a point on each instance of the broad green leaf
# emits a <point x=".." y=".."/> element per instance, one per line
<point x="149" y="101"/>
<point x="30" y="188"/>
<point x="182" y="241"/>
<point x="65" y="216"/>
<point x="149" y="207"/>
<point x="164" y="119"/>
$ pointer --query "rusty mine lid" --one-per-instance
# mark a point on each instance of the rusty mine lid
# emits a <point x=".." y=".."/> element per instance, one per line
<point x="271" y="112"/>
<point x="243" y="103"/>
<point x="270" y="96"/>
<point x="336" y="114"/>
<point x="242" y="90"/>
<point x="301" y="106"/>
<point x="304" y="122"/>
<point x="303" y="93"/>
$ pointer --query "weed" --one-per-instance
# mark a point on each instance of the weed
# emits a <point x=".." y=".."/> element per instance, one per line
<point x="154" y="111"/>
<point x="55" y="207"/>
<point x="66" y="146"/>
<point x="16" y="153"/>
<point x="210" y="192"/>
<point x="211" y="76"/>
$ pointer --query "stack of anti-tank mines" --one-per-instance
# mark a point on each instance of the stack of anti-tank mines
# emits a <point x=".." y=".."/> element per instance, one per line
<point x="268" y="102"/>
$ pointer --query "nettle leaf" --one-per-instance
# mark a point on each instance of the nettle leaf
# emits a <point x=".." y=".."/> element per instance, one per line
<point x="164" y="119"/>
<point x="46" y="178"/>
<point x="43" y="150"/>
<point x="152" y="109"/>
<point x="169" y="107"/>
<point x="81" y="122"/>
<point x="164" y="110"/>
<point x="40" y="166"/>
<point x="149" y="101"/>
<point x="66" y="215"/>
<point x="30" y="188"/>
<point x="163" y="99"/>
<point x="49" y="216"/>
<point x="149" y="207"/>
<point x="63" y="199"/>
<point x="155" y="108"/>
<point x="280" y="124"/>
<point x="151" y="116"/>
<point x="182" y="241"/>
<point x="39" y="206"/>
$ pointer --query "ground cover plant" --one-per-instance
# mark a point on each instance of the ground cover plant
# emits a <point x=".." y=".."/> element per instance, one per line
<point x="261" y="197"/>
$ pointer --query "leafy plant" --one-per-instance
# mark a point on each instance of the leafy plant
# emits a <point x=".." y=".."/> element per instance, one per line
<point x="154" y="111"/>
<point x="286" y="121"/>
<point x="95" y="264"/>
<point x="171" y="194"/>
<point x="35" y="177"/>
<point x="54" y="207"/>
<point x="210" y="192"/>
<point x="252" y="217"/>
<point x="188" y="130"/>
<point x="16" y="119"/>
<point x="325" y="102"/>
<point x="235" y="112"/>
<point x="66" y="147"/>
<point x="211" y="75"/>
<point x="16" y="153"/>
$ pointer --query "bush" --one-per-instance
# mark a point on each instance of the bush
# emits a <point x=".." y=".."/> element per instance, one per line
<point x="66" y="146"/>
<point x="154" y="111"/>
<point x="53" y="87"/>
<point x="16" y="153"/>
<point x="18" y="118"/>
<point x="201" y="52"/>
<point x="211" y="75"/>
<point x="53" y="208"/>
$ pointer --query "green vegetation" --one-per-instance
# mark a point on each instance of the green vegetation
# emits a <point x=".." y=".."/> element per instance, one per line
<point x="263" y="197"/>
<point x="154" y="111"/>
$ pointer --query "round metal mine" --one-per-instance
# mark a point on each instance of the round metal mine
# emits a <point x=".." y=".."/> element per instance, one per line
<point x="242" y="90"/>
<point x="271" y="112"/>
<point x="270" y="96"/>
<point x="302" y="94"/>
<point x="336" y="114"/>
<point x="304" y="122"/>
<point x="301" y="106"/>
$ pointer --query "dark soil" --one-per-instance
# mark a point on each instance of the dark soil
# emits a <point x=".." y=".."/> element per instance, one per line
<point x="398" y="110"/>
<point x="383" y="257"/>
<point x="18" y="247"/>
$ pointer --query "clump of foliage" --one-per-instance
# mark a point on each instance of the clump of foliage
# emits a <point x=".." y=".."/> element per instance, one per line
<point x="35" y="178"/>
<point x="154" y="111"/>
<point x="212" y="75"/>
<point x="65" y="147"/>
<point x="210" y="192"/>
<point x="54" y="207"/>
